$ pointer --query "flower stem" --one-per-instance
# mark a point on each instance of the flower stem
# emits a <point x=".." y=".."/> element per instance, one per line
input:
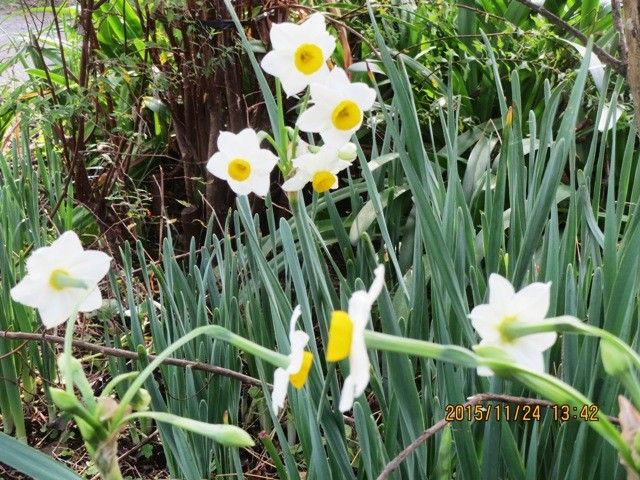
<point x="420" y="348"/>
<point x="215" y="331"/>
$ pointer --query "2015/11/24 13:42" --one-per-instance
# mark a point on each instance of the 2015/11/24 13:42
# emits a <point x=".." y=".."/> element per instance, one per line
<point x="518" y="412"/>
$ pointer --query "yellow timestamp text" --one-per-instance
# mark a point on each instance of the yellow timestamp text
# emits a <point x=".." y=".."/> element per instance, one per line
<point x="515" y="412"/>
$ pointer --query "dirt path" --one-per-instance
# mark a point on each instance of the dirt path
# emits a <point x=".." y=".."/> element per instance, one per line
<point x="14" y="32"/>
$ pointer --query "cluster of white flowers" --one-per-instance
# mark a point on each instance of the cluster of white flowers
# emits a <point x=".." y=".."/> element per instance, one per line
<point x="300" y="59"/>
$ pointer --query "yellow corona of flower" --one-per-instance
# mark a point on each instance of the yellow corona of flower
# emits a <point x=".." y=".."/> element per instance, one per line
<point x="61" y="279"/>
<point x="300" y="53"/>
<point x="338" y="108"/>
<point x="320" y="169"/>
<point x="506" y="307"/>
<point x="300" y="362"/>
<point x="346" y="339"/>
<point x="242" y="163"/>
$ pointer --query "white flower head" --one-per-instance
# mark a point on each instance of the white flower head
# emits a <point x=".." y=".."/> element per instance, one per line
<point x="300" y="53"/>
<point x="62" y="278"/>
<point x="299" y="365"/>
<point x="346" y="339"/>
<point x="318" y="168"/>
<point x="506" y="307"/>
<point x="242" y="163"/>
<point x="338" y="108"/>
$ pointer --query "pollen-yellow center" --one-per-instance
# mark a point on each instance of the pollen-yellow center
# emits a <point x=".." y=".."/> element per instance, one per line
<point x="323" y="181"/>
<point x="308" y="58"/>
<point x="299" y="378"/>
<point x="58" y="279"/>
<point x="239" y="169"/>
<point x="503" y="325"/>
<point x="347" y="115"/>
<point x="340" y="334"/>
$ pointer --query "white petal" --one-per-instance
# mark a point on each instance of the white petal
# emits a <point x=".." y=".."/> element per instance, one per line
<point x="485" y="371"/>
<point x="333" y="136"/>
<point x="347" y="395"/>
<point x="299" y="340"/>
<point x="328" y="45"/>
<point x="314" y="25"/>
<point x="90" y="265"/>
<point x="485" y="319"/>
<point x="339" y="80"/>
<point x="526" y="356"/>
<point x="279" y="393"/>
<point x="28" y="291"/>
<point x="532" y="302"/>
<point x="265" y="162"/>
<point x="92" y="302"/>
<point x="277" y="61"/>
<point x="363" y="95"/>
<point x="56" y="309"/>
<point x="377" y="284"/>
<point x="541" y="341"/>
<point x="602" y="122"/>
<point x="248" y="139"/>
<point x="227" y="142"/>
<point x="314" y="119"/>
<point x="280" y="64"/>
<point x="295" y="315"/>
<point x="67" y="243"/>
<point x="260" y="186"/>
<point x="296" y="183"/>
<point x="284" y="35"/>
<point x="500" y="289"/>
<point x="217" y="166"/>
<point x="325" y="93"/>
<point x="359" y="309"/>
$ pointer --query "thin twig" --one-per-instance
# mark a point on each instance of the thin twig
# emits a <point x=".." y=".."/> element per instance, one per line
<point x="474" y="400"/>
<point x="128" y="354"/>
<point x="617" y="65"/>
<point x="617" y="22"/>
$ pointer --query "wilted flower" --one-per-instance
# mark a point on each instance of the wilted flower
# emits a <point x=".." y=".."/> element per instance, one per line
<point x="346" y="339"/>
<point x="62" y="278"/>
<point x="318" y="168"/>
<point x="300" y="53"/>
<point x="242" y="163"/>
<point x="507" y="308"/>
<point x="338" y="108"/>
<point x="299" y="364"/>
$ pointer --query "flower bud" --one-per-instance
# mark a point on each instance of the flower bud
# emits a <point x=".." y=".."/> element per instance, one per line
<point x="141" y="400"/>
<point x="348" y="152"/>
<point x="64" y="400"/>
<point x="614" y="359"/>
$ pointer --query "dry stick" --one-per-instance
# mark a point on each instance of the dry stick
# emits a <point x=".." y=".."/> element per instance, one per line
<point x="128" y="354"/>
<point x="619" y="66"/>
<point x="617" y="22"/>
<point x="474" y="400"/>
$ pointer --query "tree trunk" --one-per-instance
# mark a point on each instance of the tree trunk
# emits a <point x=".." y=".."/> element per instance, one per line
<point x="632" y="37"/>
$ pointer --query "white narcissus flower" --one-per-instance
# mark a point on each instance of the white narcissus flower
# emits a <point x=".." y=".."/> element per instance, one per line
<point x="299" y="365"/>
<point x="318" y="168"/>
<point x="300" y="53"/>
<point x="61" y="279"/>
<point x="242" y="163"/>
<point x="338" y="108"/>
<point x="505" y="308"/>
<point x="346" y="339"/>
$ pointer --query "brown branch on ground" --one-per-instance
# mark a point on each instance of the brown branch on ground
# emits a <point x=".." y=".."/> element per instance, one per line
<point x="474" y="400"/>
<point x="118" y="352"/>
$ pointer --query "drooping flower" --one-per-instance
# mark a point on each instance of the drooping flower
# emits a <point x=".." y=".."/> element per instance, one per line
<point x="507" y="308"/>
<point x="346" y="339"/>
<point x="318" y="168"/>
<point x="338" y="108"/>
<point x="300" y="53"/>
<point x="62" y="278"/>
<point x="299" y="365"/>
<point x="242" y="163"/>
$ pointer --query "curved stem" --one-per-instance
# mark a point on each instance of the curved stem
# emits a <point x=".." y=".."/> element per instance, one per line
<point x="215" y="331"/>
